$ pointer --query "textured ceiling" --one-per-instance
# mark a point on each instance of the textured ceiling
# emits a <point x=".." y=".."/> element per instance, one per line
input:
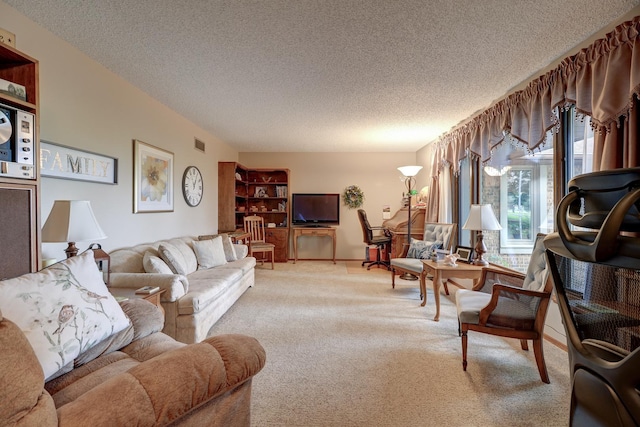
<point x="325" y="75"/>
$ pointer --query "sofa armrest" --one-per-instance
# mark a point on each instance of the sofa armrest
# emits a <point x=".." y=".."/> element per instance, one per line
<point x="175" y="285"/>
<point x="168" y="386"/>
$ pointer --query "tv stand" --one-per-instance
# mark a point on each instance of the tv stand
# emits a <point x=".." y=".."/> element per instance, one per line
<point x="313" y="231"/>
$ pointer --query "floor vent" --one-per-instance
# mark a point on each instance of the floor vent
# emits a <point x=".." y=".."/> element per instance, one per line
<point x="199" y="145"/>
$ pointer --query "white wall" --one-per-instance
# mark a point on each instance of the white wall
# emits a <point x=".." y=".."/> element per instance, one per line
<point x="375" y="173"/>
<point x="84" y="105"/>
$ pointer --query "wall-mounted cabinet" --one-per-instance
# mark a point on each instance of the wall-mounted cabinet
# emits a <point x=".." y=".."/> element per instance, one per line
<point x="19" y="161"/>
<point x="265" y="192"/>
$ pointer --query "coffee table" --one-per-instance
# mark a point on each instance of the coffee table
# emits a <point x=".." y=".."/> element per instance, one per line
<point x="442" y="273"/>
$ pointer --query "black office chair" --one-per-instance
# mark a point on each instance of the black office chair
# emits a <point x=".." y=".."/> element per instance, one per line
<point x="381" y="241"/>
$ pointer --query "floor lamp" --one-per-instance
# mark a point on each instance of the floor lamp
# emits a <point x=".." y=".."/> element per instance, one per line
<point x="409" y="173"/>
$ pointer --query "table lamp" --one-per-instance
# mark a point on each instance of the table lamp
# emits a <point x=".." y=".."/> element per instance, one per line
<point x="409" y="172"/>
<point x="481" y="218"/>
<point x="71" y="221"/>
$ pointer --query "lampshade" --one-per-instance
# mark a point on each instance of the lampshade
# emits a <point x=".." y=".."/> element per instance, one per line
<point x="409" y="170"/>
<point x="71" y="221"/>
<point x="481" y="217"/>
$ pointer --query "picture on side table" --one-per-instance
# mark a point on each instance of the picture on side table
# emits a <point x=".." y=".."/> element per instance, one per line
<point x="464" y="253"/>
<point x="152" y="178"/>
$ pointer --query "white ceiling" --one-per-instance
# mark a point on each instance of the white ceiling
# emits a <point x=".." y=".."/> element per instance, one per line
<point x="326" y="75"/>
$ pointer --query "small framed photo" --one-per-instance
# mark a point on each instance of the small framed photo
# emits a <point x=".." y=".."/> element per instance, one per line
<point x="464" y="253"/>
<point x="260" y="192"/>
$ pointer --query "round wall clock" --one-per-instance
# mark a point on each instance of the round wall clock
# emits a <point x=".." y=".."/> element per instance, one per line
<point x="192" y="186"/>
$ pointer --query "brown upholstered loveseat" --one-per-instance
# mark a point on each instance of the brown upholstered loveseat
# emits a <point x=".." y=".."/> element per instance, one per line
<point x="139" y="376"/>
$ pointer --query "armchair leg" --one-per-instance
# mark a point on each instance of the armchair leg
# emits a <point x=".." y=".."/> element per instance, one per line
<point x="393" y="278"/>
<point x="464" y="347"/>
<point x="542" y="367"/>
<point x="524" y="345"/>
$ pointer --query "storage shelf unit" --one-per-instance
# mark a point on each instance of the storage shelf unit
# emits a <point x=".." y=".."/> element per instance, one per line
<point x="20" y="197"/>
<point x="245" y="191"/>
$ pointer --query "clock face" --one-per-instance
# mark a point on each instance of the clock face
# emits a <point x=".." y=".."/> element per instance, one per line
<point x="192" y="186"/>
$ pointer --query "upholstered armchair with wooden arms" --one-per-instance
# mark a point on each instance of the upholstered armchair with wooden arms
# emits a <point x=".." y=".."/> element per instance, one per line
<point x="437" y="235"/>
<point x="509" y="304"/>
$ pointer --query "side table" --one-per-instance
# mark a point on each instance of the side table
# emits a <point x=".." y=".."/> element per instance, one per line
<point x="442" y="272"/>
<point x="130" y="293"/>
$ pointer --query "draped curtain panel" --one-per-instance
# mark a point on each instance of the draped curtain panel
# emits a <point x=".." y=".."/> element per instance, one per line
<point x="602" y="81"/>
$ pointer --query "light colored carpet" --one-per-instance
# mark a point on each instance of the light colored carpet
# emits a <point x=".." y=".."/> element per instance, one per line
<point x="347" y="350"/>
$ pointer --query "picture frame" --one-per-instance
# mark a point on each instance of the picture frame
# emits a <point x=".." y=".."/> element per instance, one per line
<point x="464" y="253"/>
<point x="152" y="178"/>
<point x="60" y="161"/>
<point x="260" y="192"/>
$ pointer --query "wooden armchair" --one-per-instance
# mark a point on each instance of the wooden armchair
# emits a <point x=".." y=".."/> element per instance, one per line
<point x="254" y="225"/>
<point x="509" y="304"/>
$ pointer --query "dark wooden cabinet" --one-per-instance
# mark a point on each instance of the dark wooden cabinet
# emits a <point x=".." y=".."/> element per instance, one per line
<point x="246" y="191"/>
<point x="279" y="236"/>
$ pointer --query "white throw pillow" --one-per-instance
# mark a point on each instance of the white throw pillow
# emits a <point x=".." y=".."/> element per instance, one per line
<point x="63" y="310"/>
<point x="229" y="249"/>
<point x="210" y="253"/>
<point x="154" y="264"/>
<point x="174" y="258"/>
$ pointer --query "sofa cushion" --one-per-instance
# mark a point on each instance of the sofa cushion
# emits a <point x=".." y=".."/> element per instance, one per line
<point x="64" y="310"/>
<point x="173" y="257"/>
<point x="155" y="264"/>
<point x="229" y="247"/>
<point x="205" y="286"/>
<point x="245" y="264"/>
<point x="209" y="253"/>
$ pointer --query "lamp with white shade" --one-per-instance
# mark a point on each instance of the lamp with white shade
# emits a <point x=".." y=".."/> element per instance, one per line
<point x="409" y="172"/>
<point x="71" y="221"/>
<point x="481" y="218"/>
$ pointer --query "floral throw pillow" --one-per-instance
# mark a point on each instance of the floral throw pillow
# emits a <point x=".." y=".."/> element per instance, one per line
<point x="63" y="310"/>
<point x="422" y="249"/>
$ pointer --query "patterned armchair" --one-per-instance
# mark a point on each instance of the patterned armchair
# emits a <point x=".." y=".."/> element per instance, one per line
<point x="435" y="234"/>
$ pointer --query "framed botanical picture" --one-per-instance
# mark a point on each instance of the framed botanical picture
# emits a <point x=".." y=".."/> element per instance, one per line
<point x="152" y="178"/>
<point x="464" y="253"/>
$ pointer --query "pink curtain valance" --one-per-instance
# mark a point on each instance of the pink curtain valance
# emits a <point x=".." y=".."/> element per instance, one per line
<point x="600" y="80"/>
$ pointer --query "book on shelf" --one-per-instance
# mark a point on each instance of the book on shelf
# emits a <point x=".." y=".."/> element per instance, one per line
<point x="145" y="290"/>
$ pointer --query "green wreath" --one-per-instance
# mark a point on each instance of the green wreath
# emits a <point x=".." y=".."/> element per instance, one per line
<point x="353" y="196"/>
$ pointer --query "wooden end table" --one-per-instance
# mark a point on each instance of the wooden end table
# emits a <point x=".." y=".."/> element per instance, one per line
<point x="153" y="298"/>
<point x="442" y="272"/>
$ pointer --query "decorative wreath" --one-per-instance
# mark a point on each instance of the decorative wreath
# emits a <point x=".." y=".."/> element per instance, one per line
<point x="353" y="196"/>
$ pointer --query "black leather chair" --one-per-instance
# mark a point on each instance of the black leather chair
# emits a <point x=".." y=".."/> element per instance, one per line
<point x="381" y="241"/>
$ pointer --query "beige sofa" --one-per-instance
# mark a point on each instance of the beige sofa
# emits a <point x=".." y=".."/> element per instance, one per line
<point x="194" y="300"/>
<point x="139" y="376"/>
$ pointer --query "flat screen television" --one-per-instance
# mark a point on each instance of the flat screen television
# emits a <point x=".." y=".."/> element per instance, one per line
<point x="315" y="210"/>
